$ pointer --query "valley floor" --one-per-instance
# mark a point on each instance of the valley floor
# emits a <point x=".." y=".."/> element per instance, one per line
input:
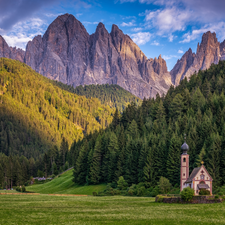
<point x="45" y="209"/>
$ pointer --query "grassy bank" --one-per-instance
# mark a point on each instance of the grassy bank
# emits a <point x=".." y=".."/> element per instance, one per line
<point x="44" y="209"/>
<point x="64" y="185"/>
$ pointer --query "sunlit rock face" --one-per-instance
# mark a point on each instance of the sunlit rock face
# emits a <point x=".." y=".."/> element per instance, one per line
<point x="67" y="53"/>
<point x="208" y="52"/>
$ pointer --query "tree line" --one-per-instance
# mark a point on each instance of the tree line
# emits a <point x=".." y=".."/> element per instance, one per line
<point x="112" y="95"/>
<point x="144" y="143"/>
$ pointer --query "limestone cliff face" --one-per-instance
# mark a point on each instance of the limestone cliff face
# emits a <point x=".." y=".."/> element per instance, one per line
<point x="181" y="67"/>
<point x="9" y="52"/>
<point x="208" y="52"/>
<point x="67" y="53"/>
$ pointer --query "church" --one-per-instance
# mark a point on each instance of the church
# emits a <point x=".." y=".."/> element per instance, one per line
<point x="199" y="178"/>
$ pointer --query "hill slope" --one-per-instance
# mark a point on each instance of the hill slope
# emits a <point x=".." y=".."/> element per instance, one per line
<point x="35" y="114"/>
<point x="64" y="185"/>
<point x="112" y="95"/>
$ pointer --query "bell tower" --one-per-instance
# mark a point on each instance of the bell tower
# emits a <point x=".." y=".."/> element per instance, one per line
<point x="184" y="169"/>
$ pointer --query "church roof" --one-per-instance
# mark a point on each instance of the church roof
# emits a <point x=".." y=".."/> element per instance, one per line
<point x="193" y="174"/>
<point x="205" y="186"/>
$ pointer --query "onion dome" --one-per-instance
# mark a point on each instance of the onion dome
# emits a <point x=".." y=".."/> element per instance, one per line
<point x="185" y="146"/>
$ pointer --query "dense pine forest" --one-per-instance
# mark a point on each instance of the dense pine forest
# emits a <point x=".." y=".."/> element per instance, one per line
<point x="144" y="143"/>
<point x="112" y="95"/>
<point x="35" y="115"/>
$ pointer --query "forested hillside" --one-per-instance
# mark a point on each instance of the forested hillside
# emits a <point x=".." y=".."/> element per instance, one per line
<point x="144" y="143"/>
<point x="112" y="95"/>
<point x="35" y="114"/>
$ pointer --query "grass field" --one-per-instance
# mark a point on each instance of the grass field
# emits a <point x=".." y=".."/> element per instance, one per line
<point x="44" y="209"/>
<point x="65" y="185"/>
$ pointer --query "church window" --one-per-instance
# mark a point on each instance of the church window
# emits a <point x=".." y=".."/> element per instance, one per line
<point x="183" y="174"/>
<point x="184" y="159"/>
<point x="202" y="177"/>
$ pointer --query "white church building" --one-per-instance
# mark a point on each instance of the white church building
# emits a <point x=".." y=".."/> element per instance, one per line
<point x="199" y="178"/>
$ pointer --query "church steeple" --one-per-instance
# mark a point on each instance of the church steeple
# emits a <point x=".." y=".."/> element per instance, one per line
<point x="185" y="147"/>
<point x="184" y="170"/>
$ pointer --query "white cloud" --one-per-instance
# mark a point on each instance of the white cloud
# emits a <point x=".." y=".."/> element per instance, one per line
<point x="86" y="22"/>
<point x="136" y="29"/>
<point x="167" y="57"/>
<point x="54" y="15"/>
<point x="180" y="51"/>
<point x="24" y="32"/>
<point x="168" y="20"/>
<point x="129" y="24"/>
<point x="141" y="38"/>
<point x="79" y="14"/>
<point x="155" y="43"/>
<point x="219" y="28"/>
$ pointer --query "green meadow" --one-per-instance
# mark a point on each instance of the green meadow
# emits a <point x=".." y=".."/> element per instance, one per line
<point x="64" y="185"/>
<point x="45" y="209"/>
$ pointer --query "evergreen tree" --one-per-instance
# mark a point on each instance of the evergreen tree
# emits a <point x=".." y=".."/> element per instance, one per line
<point x="173" y="160"/>
<point x="96" y="162"/>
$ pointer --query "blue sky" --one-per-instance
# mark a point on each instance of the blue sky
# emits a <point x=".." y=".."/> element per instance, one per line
<point x="166" y="27"/>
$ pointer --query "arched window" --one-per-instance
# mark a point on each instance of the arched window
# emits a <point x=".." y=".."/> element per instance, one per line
<point x="183" y="174"/>
<point x="202" y="177"/>
<point x="184" y="159"/>
<point x="202" y="182"/>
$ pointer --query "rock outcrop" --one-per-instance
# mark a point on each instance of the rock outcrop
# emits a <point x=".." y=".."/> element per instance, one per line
<point x="67" y="53"/>
<point x="9" y="52"/>
<point x="208" y="52"/>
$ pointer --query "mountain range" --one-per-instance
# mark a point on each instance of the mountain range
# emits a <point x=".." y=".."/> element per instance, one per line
<point x="67" y="53"/>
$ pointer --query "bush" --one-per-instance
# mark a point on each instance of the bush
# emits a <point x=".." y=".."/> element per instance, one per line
<point x="94" y="193"/>
<point x="122" y="184"/>
<point x="220" y="193"/>
<point x="216" y="196"/>
<point x="187" y="194"/>
<point x="23" y="189"/>
<point x="204" y="192"/>
<point x="141" y="191"/>
<point x="18" y="189"/>
<point x="164" y="185"/>
<point x="160" y="198"/>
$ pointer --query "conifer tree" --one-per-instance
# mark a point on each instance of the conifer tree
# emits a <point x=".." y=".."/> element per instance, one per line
<point x="173" y="160"/>
<point x="96" y="163"/>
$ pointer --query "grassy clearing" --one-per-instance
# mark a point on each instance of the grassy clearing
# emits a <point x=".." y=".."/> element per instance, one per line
<point x="44" y="209"/>
<point x="65" y="185"/>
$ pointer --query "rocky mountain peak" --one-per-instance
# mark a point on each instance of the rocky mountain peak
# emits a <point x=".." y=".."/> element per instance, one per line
<point x="208" y="52"/>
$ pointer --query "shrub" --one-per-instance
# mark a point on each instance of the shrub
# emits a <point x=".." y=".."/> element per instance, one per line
<point x="53" y="176"/>
<point x="220" y="193"/>
<point x="216" y="196"/>
<point x="160" y="198"/>
<point x="94" y="193"/>
<point x="122" y="184"/>
<point x="164" y="185"/>
<point x="141" y="191"/>
<point x="187" y="194"/>
<point x="23" y="189"/>
<point x="18" y="189"/>
<point x="204" y="192"/>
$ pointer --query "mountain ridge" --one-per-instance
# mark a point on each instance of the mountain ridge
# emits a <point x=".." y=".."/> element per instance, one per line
<point x="67" y="53"/>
